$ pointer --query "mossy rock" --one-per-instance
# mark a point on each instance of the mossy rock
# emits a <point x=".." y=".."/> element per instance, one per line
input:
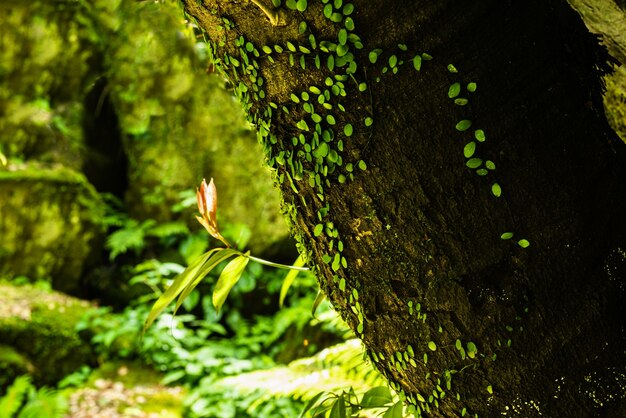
<point x="49" y="223"/>
<point x="45" y="69"/>
<point x="180" y="125"/>
<point x="615" y="101"/>
<point x="39" y="326"/>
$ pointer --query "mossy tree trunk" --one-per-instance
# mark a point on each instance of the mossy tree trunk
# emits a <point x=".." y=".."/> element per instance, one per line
<point x="404" y="218"/>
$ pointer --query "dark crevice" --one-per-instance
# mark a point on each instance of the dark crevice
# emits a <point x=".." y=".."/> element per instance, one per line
<point x="106" y="162"/>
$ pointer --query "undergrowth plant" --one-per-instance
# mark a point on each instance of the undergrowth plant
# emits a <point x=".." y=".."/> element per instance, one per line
<point x="188" y="280"/>
<point x="24" y="400"/>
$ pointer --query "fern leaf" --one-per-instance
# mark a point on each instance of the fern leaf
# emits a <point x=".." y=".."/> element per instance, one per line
<point x="330" y="370"/>
<point x="47" y="403"/>
<point x="12" y="401"/>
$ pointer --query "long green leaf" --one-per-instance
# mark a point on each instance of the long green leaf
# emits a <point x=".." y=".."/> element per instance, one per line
<point x="318" y="300"/>
<point x="230" y="275"/>
<point x="289" y="278"/>
<point x="376" y="397"/>
<point x="310" y="404"/>
<point x="177" y="286"/>
<point x="213" y="261"/>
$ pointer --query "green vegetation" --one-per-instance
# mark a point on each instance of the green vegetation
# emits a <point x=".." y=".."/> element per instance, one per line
<point x="80" y="78"/>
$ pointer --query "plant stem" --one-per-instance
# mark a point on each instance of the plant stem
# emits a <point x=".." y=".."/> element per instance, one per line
<point x="280" y="266"/>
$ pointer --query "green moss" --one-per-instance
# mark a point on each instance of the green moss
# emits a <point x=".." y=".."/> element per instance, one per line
<point x="40" y="326"/>
<point x="51" y="219"/>
<point x="615" y="101"/>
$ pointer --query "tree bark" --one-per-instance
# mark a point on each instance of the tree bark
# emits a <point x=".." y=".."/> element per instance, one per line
<point x="403" y="228"/>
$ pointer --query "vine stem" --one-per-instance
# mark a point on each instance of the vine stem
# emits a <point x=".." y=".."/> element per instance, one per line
<point x="278" y="265"/>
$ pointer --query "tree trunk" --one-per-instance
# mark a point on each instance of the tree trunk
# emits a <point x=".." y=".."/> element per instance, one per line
<point x="406" y="220"/>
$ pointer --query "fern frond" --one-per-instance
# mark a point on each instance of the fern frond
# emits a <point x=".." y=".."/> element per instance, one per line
<point x="130" y="237"/>
<point x="12" y="401"/>
<point x="333" y="369"/>
<point x="47" y="403"/>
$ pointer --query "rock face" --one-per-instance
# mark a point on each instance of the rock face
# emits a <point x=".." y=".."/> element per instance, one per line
<point x="37" y="330"/>
<point x="48" y="224"/>
<point x="605" y="18"/>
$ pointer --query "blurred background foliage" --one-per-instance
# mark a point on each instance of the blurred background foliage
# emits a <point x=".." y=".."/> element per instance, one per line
<point x="110" y="116"/>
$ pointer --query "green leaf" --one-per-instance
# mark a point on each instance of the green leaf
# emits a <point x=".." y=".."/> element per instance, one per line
<point x="302" y="27"/>
<point x="12" y="401"/>
<point x="496" y="190"/>
<point x="338" y="409"/>
<point x="471" y="87"/>
<point x="376" y="397"/>
<point x="393" y="60"/>
<point x="454" y="90"/>
<point x="289" y="279"/>
<point x="310" y="404"/>
<point x="523" y="243"/>
<point x="177" y="286"/>
<point x="474" y="163"/>
<point x="319" y="227"/>
<point x="395" y="411"/>
<point x="318" y="300"/>
<point x="490" y="390"/>
<point x="469" y="149"/>
<point x="302" y="125"/>
<point x="343" y="36"/>
<point x="349" y="23"/>
<point x="347" y="129"/>
<point x="452" y="68"/>
<point x="373" y="55"/>
<point x="229" y="277"/>
<point x="490" y="165"/>
<point x="460" y="101"/>
<point x="479" y="134"/>
<point x="328" y="10"/>
<point x="463" y="125"/>
<point x="368" y="121"/>
<point x="506" y="235"/>
<point x="301" y="5"/>
<point x="432" y="346"/>
<point x="417" y="62"/>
